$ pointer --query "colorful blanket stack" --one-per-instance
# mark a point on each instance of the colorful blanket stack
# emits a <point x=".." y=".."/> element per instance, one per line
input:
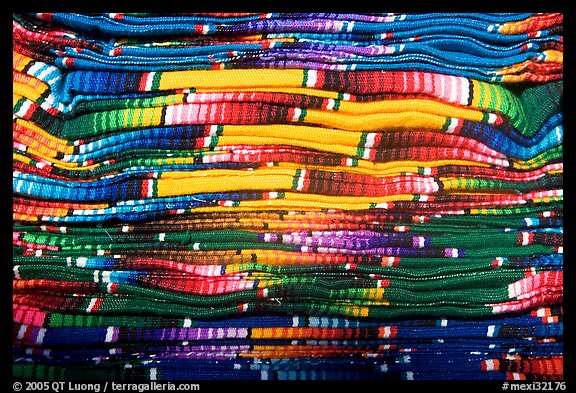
<point x="287" y="196"/>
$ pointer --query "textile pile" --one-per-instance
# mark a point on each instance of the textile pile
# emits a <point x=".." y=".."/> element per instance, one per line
<point x="287" y="196"/>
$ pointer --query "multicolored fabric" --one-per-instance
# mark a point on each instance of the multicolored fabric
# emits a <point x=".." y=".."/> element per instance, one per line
<point x="287" y="196"/>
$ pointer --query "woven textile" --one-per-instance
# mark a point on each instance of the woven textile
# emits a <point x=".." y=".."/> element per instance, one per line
<point x="288" y="196"/>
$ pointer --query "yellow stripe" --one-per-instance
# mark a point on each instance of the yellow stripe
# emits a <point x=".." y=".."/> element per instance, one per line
<point x="289" y="90"/>
<point x="202" y="79"/>
<point x="412" y="105"/>
<point x="322" y="202"/>
<point x="182" y="183"/>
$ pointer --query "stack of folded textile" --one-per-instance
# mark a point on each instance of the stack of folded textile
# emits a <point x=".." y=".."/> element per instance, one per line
<point x="287" y="196"/>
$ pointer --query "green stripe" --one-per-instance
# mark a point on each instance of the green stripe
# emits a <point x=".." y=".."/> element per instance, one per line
<point x="361" y="144"/>
<point x="336" y="105"/>
<point x="19" y="104"/>
<point x="305" y="78"/>
<point x="156" y="81"/>
<point x="446" y="124"/>
<point x="296" y="178"/>
<point x="155" y="185"/>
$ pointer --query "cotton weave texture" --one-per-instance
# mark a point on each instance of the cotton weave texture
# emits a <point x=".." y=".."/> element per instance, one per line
<point x="287" y="196"/>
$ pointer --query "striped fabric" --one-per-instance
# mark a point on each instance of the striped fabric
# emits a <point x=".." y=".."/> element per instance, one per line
<point x="287" y="196"/>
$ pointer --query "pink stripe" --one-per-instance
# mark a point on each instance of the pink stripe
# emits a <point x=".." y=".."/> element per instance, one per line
<point x="440" y="83"/>
<point x="428" y="85"/>
<point x="456" y="83"/>
<point x="222" y="111"/>
<point x="211" y="114"/>
<point x="417" y="78"/>
<point x="202" y="114"/>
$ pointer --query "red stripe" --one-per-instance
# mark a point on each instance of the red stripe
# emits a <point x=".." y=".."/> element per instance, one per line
<point x="143" y="79"/>
<point x="98" y="303"/>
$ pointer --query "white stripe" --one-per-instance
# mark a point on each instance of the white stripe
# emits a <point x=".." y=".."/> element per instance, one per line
<point x="490" y="332"/>
<point x="109" y="288"/>
<point x="366" y="154"/>
<point x="109" y="334"/>
<point x="424" y="198"/>
<point x="409" y="375"/>
<point x="312" y="78"/>
<point x="153" y="372"/>
<point x="125" y="228"/>
<point x="492" y="118"/>
<point x="43" y="74"/>
<point x="96" y="275"/>
<point x="149" y="79"/>
<point x="35" y="68"/>
<point x="41" y="334"/>
<point x="528" y="222"/>
<point x="454" y="253"/>
<point x="452" y="125"/>
<point x="21" y="332"/>
<point x="91" y="305"/>
<point x="100" y="252"/>
<point x="265" y="292"/>
<point x="24" y="108"/>
<point x="169" y="114"/>
<point x="161" y="236"/>
<point x="297" y="113"/>
<point x="19" y="185"/>
<point x="559" y="133"/>
<point x="525" y="238"/>
<point x="489" y="365"/>
<point x="561" y="250"/>
<point x="106" y="276"/>
<point x="187" y="322"/>
<point x="17" y="273"/>
<point x="196" y="247"/>
<point x="350" y="27"/>
<point x="443" y="322"/>
<point x="541" y="312"/>
<point x="273" y="195"/>
<point x="387" y="332"/>
<point x="301" y="180"/>
<point x="264" y="375"/>
<point x="205" y="29"/>
<point x="331" y="104"/>
<point x="294" y="321"/>
<point x="214" y="130"/>
<point x="516" y="376"/>
<point x="370" y="140"/>
<point x="420" y="242"/>
<point x="81" y="262"/>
